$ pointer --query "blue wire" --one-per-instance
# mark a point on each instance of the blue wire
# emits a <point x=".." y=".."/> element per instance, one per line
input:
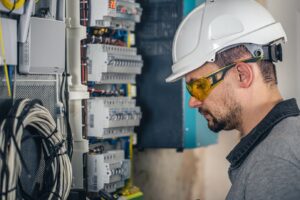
<point x="10" y="75"/>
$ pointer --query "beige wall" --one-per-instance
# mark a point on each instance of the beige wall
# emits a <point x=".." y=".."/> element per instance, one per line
<point x="194" y="174"/>
<point x="263" y="2"/>
<point x="165" y="174"/>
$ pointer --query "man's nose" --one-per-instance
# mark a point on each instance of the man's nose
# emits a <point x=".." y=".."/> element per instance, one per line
<point x="194" y="103"/>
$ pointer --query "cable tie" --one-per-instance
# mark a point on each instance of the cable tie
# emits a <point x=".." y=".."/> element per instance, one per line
<point x="61" y="154"/>
<point x="53" y="132"/>
<point x="12" y="9"/>
<point x="55" y="149"/>
<point x="11" y="190"/>
<point x="66" y="74"/>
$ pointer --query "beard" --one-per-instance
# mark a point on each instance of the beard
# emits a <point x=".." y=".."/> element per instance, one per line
<point x="226" y="121"/>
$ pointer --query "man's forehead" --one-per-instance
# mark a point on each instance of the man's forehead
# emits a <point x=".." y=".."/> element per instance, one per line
<point x="202" y="71"/>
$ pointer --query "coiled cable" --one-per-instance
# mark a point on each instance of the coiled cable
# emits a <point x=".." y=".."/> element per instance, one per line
<point x="58" y="170"/>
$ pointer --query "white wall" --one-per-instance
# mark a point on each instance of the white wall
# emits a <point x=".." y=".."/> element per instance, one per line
<point x="287" y="12"/>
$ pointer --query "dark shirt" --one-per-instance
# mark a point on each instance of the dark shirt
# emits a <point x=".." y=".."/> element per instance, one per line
<point x="268" y="151"/>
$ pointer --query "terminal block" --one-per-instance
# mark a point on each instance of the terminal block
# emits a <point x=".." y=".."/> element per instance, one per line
<point x="114" y="13"/>
<point x="103" y="60"/>
<point x="107" y="171"/>
<point x="115" y="78"/>
<point x="108" y="113"/>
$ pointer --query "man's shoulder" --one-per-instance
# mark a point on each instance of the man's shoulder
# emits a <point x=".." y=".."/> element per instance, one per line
<point x="283" y="141"/>
<point x="286" y="131"/>
<point x="272" y="169"/>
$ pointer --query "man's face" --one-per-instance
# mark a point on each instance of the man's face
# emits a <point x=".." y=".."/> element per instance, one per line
<point x="221" y="109"/>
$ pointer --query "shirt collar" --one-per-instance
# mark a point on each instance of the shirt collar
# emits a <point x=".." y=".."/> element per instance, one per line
<point x="279" y="112"/>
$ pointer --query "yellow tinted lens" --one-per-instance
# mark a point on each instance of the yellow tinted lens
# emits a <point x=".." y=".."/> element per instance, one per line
<point x="199" y="89"/>
<point x="189" y="89"/>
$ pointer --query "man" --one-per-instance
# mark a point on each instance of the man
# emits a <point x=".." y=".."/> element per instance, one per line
<point x="225" y="50"/>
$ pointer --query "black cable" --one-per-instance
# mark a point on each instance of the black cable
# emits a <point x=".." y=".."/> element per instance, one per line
<point x="8" y="135"/>
<point x="67" y="119"/>
<point x="48" y="162"/>
<point x="13" y="8"/>
<point x="63" y="96"/>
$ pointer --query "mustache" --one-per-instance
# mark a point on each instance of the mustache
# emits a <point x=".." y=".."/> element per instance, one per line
<point x="204" y="111"/>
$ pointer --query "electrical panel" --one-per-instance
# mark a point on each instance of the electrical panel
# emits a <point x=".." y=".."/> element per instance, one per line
<point x="114" y="13"/>
<point x="109" y="65"/>
<point x="112" y="117"/>
<point x="44" y="50"/>
<point x="160" y="100"/>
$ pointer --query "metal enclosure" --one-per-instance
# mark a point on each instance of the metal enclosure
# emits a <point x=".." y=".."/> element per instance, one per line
<point x="48" y="35"/>
<point x="167" y="121"/>
<point x="162" y="125"/>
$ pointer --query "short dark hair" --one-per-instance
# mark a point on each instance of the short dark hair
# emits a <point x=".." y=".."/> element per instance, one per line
<point x="229" y="56"/>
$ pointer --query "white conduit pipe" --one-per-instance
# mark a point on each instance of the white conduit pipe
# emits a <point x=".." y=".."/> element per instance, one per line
<point x="75" y="33"/>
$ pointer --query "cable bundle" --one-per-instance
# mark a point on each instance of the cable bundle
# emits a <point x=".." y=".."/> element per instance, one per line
<point x="30" y="114"/>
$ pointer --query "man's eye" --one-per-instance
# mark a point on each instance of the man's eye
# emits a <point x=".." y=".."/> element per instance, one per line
<point x="219" y="75"/>
<point x="202" y="85"/>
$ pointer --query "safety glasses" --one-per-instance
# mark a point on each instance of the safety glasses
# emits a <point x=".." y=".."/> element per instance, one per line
<point x="202" y="87"/>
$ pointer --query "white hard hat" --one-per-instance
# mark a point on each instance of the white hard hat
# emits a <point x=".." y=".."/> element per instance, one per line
<point x="216" y="25"/>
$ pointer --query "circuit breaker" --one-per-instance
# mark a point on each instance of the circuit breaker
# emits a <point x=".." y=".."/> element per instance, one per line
<point x="108" y="58"/>
<point x="117" y="13"/>
<point x="103" y="60"/>
<point x="112" y="117"/>
<point x="107" y="171"/>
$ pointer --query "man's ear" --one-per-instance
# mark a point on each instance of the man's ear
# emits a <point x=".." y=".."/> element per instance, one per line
<point x="245" y="74"/>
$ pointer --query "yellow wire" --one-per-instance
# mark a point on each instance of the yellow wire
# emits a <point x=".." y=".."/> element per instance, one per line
<point x="10" y="5"/>
<point x="4" y="59"/>
<point x="128" y="39"/>
<point x="131" y="159"/>
<point x="129" y="90"/>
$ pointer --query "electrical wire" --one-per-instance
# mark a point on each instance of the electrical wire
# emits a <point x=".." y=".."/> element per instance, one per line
<point x="128" y="39"/>
<point x="58" y="170"/>
<point x="64" y="97"/>
<point x="4" y="60"/>
<point x="11" y="6"/>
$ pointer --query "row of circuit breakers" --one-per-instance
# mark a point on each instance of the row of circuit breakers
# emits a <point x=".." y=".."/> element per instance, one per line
<point x="107" y="116"/>
<point x="111" y="117"/>
<point x="112" y="64"/>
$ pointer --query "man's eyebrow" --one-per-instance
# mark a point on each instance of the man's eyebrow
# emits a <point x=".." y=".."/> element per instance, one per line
<point x="191" y="80"/>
